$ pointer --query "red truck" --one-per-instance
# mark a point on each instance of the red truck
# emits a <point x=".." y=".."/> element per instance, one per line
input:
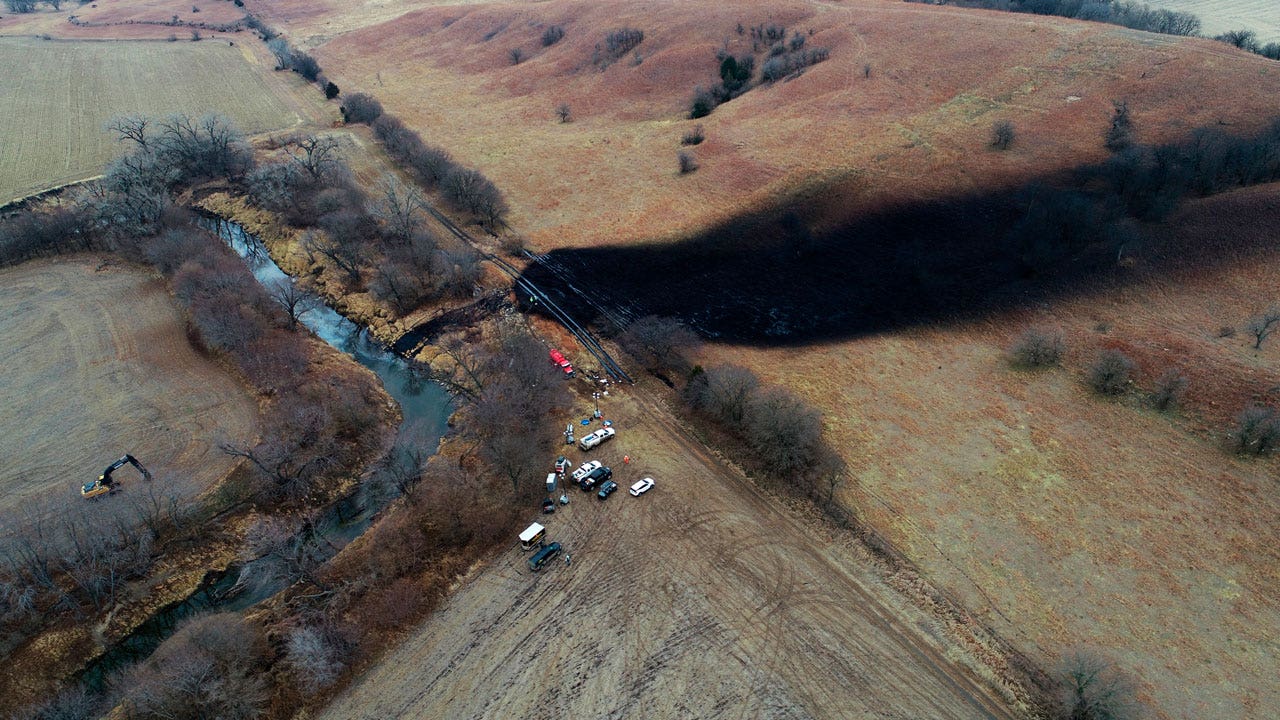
<point x="562" y="363"/>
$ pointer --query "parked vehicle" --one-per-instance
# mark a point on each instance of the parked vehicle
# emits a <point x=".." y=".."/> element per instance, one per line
<point x="607" y="489"/>
<point x="589" y="441"/>
<point x="596" y="477"/>
<point x="642" y="487"/>
<point x="548" y="506"/>
<point x="544" y="556"/>
<point x="532" y="536"/>
<point x="559" y="361"/>
<point x="585" y="470"/>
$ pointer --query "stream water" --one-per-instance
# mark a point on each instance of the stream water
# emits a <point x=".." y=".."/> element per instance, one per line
<point x="424" y="407"/>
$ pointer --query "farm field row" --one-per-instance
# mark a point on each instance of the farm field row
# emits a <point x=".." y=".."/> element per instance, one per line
<point x="1219" y="16"/>
<point x="58" y="95"/>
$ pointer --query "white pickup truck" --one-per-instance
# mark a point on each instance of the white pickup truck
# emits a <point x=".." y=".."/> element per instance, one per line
<point x="589" y="441"/>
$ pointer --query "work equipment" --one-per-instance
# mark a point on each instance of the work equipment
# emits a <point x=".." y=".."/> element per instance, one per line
<point x="105" y="483"/>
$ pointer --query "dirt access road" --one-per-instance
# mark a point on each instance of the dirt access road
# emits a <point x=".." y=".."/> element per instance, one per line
<point x="702" y="598"/>
<point x="97" y="364"/>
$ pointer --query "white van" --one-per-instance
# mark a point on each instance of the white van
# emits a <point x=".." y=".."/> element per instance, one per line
<point x="532" y="536"/>
<point x="589" y="441"/>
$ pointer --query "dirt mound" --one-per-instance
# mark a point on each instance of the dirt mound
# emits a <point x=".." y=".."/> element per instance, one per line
<point x="98" y="365"/>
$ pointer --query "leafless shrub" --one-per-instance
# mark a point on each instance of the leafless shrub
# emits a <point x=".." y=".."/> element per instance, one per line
<point x="617" y="43"/>
<point x="469" y="190"/>
<point x="1002" y="135"/>
<point x="1170" y="388"/>
<point x="1037" y="347"/>
<point x="1120" y="135"/>
<point x="207" y="669"/>
<point x="564" y="113"/>
<point x="516" y="55"/>
<point x="74" y="703"/>
<point x="552" y="35"/>
<point x="1257" y="430"/>
<point x="360" y="108"/>
<point x="1094" y="689"/>
<point x="722" y="392"/>
<point x="686" y="162"/>
<point x="317" y="654"/>
<point x="660" y="344"/>
<point x="1110" y="372"/>
<point x="694" y="136"/>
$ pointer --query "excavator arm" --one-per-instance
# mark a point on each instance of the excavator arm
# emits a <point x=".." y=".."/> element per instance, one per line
<point x="105" y="484"/>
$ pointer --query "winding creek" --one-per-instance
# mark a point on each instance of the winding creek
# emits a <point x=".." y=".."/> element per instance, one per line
<point x="424" y="408"/>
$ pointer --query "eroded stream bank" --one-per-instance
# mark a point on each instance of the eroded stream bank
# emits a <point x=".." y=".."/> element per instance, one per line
<point x="424" y="406"/>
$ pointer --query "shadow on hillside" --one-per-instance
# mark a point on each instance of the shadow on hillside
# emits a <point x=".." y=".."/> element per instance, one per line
<point x="765" y="280"/>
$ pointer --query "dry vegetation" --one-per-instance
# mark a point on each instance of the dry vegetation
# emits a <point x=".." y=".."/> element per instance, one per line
<point x="61" y="94"/>
<point x="1064" y="518"/>
<point x="914" y="128"/>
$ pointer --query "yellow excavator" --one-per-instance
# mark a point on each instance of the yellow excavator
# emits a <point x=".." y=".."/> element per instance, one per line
<point x="105" y="484"/>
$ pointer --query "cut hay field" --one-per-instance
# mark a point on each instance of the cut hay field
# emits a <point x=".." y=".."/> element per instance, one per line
<point x="97" y="364"/>
<point x="917" y="127"/>
<point x="58" y="95"/>
<point x="1219" y="16"/>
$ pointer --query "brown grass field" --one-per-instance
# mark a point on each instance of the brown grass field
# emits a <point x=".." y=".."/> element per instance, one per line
<point x="916" y="128"/>
<point x="1062" y="519"/>
<point x="59" y="94"/>
<point x="97" y="364"/>
<point x="116" y="20"/>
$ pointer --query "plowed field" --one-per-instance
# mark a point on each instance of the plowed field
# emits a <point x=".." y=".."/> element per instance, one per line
<point x="97" y="364"/>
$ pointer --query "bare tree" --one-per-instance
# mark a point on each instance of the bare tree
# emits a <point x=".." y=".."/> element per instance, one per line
<point x="317" y="155"/>
<point x="285" y="549"/>
<point x="723" y="392"/>
<point x="1094" y="689"/>
<point x="1261" y="326"/>
<point x="73" y="703"/>
<point x="361" y="108"/>
<point x="132" y="128"/>
<point x="660" y="343"/>
<point x="564" y="113"/>
<point x="516" y="55"/>
<point x="291" y="298"/>
<point x="344" y="251"/>
<point x="784" y="431"/>
<point x="399" y="207"/>
<point x="209" y="668"/>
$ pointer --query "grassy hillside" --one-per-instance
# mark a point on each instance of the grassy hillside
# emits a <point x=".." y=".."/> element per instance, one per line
<point x="917" y="127"/>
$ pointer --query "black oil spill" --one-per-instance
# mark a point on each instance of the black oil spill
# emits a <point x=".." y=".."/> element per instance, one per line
<point x="767" y="280"/>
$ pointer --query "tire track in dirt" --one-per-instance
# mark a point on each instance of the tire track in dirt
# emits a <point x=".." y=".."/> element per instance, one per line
<point x="700" y="599"/>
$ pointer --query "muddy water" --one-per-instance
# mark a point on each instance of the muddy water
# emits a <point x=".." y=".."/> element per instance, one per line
<point x="424" y="407"/>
